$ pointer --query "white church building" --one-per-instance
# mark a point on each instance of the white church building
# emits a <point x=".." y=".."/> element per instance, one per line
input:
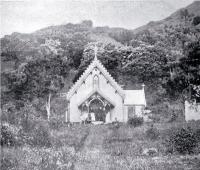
<point x="98" y="93"/>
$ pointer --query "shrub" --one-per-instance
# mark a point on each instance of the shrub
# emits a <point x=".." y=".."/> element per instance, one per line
<point x="154" y="117"/>
<point x="56" y="124"/>
<point x="136" y="121"/>
<point x="25" y="137"/>
<point x="173" y="117"/>
<point x="9" y="113"/>
<point x="28" y="125"/>
<point x="8" y="137"/>
<point x="197" y="134"/>
<point x="152" y="133"/>
<point x="8" y="162"/>
<point x="182" y="141"/>
<point x="41" y="136"/>
<point x="196" y="20"/>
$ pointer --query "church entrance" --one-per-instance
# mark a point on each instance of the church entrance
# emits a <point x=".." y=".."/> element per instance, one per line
<point x="97" y="107"/>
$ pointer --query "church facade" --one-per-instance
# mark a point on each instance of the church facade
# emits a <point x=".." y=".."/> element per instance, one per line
<point x="97" y="93"/>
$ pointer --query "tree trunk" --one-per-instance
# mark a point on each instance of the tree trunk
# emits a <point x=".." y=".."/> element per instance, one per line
<point x="48" y="106"/>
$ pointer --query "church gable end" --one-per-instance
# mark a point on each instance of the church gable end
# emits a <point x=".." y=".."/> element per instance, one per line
<point x="97" y="92"/>
<point x="100" y="70"/>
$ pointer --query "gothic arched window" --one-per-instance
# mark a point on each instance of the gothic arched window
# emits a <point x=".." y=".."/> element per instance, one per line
<point x="96" y="81"/>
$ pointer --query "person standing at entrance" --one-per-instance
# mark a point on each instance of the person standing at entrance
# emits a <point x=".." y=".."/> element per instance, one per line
<point x="108" y="117"/>
<point x="92" y="117"/>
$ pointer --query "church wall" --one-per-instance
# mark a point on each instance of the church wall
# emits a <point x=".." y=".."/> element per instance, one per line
<point x="137" y="111"/>
<point x="125" y="113"/>
<point x="192" y="112"/>
<point x="114" y="96"/>
<point x="87" y="87"/>
<point x="80" y="94"/>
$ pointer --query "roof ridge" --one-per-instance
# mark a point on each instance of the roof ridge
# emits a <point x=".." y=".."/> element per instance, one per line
<point x="107" y="75"/>
<point x="80" y="77"/>
<point x="110" y="75"/>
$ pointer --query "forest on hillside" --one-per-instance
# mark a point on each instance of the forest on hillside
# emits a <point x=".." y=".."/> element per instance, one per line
<point x="37" y="67"/>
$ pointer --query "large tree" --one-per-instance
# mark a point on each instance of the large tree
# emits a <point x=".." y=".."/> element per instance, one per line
<point x="187" y="79"/>
<point x="38" y="78"/>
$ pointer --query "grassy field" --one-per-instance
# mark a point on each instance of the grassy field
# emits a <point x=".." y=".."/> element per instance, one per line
<point x="101" y="147"/>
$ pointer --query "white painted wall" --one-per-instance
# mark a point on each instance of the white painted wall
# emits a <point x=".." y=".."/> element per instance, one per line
<point x="138" y="111"/>
<point x="86" y="88"/>
<point x="109" y="91"/>
<point x="192" y="112"/>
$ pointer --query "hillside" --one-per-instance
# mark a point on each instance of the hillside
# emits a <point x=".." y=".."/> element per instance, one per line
<point x="174" y="19"/>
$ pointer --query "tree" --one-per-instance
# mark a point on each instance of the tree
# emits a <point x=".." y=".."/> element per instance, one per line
<point x="73" y="48"/>
<point x="146" y="61"/>
<point x="87" y="23"/>
<point x="123" y="36"/>
<point x="40" y="77"/>
<point x="190" y="64"/>
<point x="46" y="77"/>
<point x="196" y="20"/>
<point x="108" y="54"/>
<point x="186" y="80"/>
<point x="184" y="13"/>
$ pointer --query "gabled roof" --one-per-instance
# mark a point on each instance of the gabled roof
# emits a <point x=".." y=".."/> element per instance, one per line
<point x="100" y="93"/>
<point x="95" y="63"/>
<point x="134" y="97"/>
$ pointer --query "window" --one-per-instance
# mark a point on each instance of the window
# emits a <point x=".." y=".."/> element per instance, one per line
<point x="131" y="111"/>
<point x="96" y="81"/>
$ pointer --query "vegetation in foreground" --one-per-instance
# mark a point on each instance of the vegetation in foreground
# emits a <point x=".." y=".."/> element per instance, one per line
<point x="161" y="146"/>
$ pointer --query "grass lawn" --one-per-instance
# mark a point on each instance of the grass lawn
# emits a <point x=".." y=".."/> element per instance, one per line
<point x="85" y="147"/>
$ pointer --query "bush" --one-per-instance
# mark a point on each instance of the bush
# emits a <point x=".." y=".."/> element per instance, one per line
<point x="197" y="134"/>
<point x="182" y="141"/>
<point x="28" y="125"/>
<point x="25" y="137"/>
<point x="8" y="137"/>
<point x="41" y="136"/>
<point x="56" y="124"/>
<point x="173" y="117"/>
<point x="196" y="20"/>
<point x="154" y="117"/>
<point x="136" y="121"/>
<point x="8" y="162"/>
<point x="152" y="133"/>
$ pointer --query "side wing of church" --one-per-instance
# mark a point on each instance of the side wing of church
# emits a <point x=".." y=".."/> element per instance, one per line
<point x="98" y="94"/>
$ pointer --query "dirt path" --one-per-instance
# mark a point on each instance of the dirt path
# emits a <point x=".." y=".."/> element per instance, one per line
<point x="95" y="138"/>
<point x="92" y="155"/>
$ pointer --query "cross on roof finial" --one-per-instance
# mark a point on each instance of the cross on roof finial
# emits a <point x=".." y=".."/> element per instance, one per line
<point x="143" y="85"/>
<point x="95" y="51"/>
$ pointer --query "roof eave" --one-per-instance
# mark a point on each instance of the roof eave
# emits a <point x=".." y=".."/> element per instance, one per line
<point x="95" y="63"/>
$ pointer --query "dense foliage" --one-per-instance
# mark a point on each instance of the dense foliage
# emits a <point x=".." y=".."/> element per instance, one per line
<point x="182" y="141"/>
<point x="8" y="137"/>
<point x="152" y="133"/>
<point x="136" y="121"/>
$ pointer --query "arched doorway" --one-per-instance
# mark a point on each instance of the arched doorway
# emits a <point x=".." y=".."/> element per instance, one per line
<point x="96" y="106"/>
<point x="99" y="106"/>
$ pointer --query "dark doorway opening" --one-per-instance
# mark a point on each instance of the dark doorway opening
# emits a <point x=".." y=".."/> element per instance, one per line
<point x="96" y="106"/>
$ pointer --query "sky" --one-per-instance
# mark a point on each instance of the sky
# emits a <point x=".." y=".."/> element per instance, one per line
<point x="26" y="16"/>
